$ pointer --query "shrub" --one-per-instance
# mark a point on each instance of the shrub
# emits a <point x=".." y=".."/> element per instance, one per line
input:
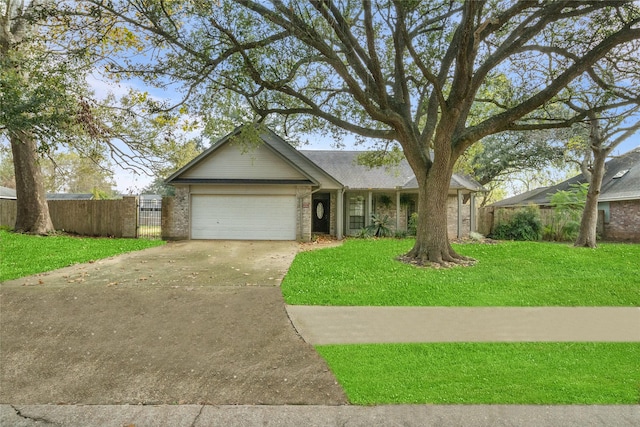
<point x="524" y="225"/>
<point x="412" y="226"/>
<point x="363" y="233"/>
<point x="379" y="226"/>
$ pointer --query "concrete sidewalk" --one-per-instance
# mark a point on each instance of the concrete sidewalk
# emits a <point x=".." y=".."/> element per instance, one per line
<point x="311" y="416"/>
<point x="324" y="325"/>
<point x="362" y="325"/>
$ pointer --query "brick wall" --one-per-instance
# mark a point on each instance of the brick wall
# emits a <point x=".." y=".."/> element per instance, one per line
<point x="389" y="209"/>
<point x="452" y="217"/>
<point x="175" y="215"/>
<point x="452" y="214"/>
<point x="333" y="206"/>
<point x="624" y="221"/>
<point x="303" y="214"/>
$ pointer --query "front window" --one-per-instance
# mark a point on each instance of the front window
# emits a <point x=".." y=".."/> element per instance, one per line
<point x="356" y="213"/>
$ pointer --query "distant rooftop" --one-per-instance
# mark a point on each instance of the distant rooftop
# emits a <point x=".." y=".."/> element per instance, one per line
<point x="621" y="182"/>
<point x="69" y="196"/>
<point x="7" y="193"/>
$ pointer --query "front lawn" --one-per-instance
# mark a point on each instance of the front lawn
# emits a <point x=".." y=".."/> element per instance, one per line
<point x="22" y="255"/>
<point x="365" y="272"/>
<point x="488" y="373"/>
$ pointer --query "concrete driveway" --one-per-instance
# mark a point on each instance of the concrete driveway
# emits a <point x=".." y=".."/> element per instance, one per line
<point x="198" y="322"/>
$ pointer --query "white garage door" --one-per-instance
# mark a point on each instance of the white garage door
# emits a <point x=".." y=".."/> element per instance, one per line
<point x="243" y="217"/>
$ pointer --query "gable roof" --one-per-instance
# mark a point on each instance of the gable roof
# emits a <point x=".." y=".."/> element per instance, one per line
<point x="329" y="169"/>
<point x="621" y="181"/>
<point x="344" y="166"/>
<point x="276" y="146"/>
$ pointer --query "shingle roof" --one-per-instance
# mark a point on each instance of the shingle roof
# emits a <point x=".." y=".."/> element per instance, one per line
<point x="7" y="193"/>
<point x="69" y="196"/>
<point x="344" y="166"/>
<point x="333" y="167"/>
<point x="522" y="199"/>
<point x="621" y="181"/>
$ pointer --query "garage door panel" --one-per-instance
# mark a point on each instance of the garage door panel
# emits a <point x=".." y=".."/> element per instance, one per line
<point x="243" y="217"/>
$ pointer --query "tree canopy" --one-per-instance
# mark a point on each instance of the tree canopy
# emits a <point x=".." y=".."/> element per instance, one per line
<point x="432" y="77"/>
<point x="47" y="52"/>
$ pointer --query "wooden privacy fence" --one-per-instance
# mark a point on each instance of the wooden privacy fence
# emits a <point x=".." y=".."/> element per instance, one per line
<point x="490" y="216"/>
<point x="112" y="218"/>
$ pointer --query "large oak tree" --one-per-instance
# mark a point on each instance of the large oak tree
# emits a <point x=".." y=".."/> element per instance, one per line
<point x="398" y="72"/>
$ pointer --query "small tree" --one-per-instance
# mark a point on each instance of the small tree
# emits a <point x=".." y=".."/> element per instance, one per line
<point x="568" y="206"/>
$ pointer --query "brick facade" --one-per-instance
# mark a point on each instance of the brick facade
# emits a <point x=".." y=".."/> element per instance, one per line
<point x="387" y="206"/>
<point x="175" y="215"/>
<point x="624" y="221"/>
<point x="303" y="215"/>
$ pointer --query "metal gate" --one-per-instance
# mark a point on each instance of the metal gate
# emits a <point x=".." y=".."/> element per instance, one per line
<point x="149" y="217"/>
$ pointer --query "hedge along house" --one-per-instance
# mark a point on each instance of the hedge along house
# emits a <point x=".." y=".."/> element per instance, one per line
<point x="268" y="190"/>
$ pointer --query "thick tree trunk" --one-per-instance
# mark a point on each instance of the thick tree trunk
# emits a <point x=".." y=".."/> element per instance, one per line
<point x="32" y="208"/>
<point x="589" y="220"/>
<point x="432" y="239"/>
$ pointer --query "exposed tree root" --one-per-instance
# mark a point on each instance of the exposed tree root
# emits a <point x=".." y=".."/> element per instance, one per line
<point x="452" y="259"/>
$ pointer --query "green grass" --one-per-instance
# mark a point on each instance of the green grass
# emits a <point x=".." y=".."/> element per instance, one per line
<point x="488" y="373"/>
<point x="22" y="255"/>
<point x="365" y="272"/>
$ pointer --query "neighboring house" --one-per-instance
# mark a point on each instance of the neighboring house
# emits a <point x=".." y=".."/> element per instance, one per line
<point x="7" y="193"/>
<point x="69" y="196"/>
<point x="271" y="191"/>
<point x="619" y="201"/>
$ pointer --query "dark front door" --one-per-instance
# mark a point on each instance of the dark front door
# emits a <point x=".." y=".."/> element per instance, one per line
<point x="320" y="214"/>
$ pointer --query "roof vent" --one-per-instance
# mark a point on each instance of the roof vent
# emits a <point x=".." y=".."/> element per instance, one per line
<point x="620" y="174"/>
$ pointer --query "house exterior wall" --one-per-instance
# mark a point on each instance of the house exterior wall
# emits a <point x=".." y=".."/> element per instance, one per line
<point x="452" y="217"/>
<point x="231" y="162"/>
<point x="384" y="204"/>
<point x="303" y="214"/>
<point x="176" y="210"/>
<point x="624" y="221"/>
<point x="387" y="206"/>
<point x="333" y="210"/>
<point x="175" y="215"/>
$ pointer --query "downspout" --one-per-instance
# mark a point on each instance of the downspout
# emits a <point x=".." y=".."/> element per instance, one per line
<point x="340" y="214"/>
<point x="459" y="213"/>
<point x="367" y="217"/>
<point x="472" y="213"/>
<point x="397" y="209"/>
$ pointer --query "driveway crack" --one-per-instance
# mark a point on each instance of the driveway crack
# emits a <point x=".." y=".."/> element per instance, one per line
<point x="195" y="420"/>
<point x="34" y="419"/>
